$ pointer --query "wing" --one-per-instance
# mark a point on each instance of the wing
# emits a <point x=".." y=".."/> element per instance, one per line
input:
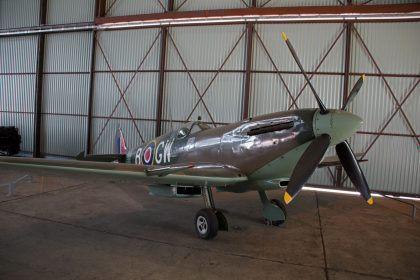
<point x="101" y="158"/>
<point x="184" y="174"/>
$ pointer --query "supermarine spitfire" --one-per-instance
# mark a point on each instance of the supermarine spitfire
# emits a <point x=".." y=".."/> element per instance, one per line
<point x="262" y="153"/>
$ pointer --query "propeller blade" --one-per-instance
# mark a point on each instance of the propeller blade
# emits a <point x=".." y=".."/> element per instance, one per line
<point x="353" y="170"/>
<point x="354" y="91"/>
<point x="306" y="165"/>
<point x="292" y="50"/>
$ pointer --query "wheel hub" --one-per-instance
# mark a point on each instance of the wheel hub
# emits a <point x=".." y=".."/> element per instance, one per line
<point x="202" y="225"/>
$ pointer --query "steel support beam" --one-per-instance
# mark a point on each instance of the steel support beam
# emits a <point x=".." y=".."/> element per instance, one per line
<point x="312" y="14"/>
<point x="161" y="86"/>
<point x="348" y="27"/>
<point x="39" y="81"/>
<point x="314" y="11"/>
<point x="100" y="8"/>
<point x="247" y="82"/>
<point x="99" y="11"/>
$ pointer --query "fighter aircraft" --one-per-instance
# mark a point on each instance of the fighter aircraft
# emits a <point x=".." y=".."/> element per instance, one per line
<point x="269" y="152"/>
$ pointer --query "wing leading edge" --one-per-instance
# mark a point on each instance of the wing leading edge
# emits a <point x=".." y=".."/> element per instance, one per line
<point x="189" y="174"/>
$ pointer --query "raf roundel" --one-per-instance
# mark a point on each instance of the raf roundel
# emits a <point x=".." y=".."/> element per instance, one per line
<point x="148" y="152"/>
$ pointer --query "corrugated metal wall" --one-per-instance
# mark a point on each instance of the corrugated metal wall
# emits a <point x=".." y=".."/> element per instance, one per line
<point x="274" y="91"/>
<point x="65" y="92"/>
<point x="182" y="5"/>
<point x="26" y="9"/>
<point x="127" y="64"/>
<point x="269" y="93"/>
<point x="394" y="161"/>
<point x="64" y="11"/>
<point x="211" y="60"/>
<point x="133" y="7"/>
<point x="18" y="68"/>
<point x="222" y="100"/>
<point x="17" y="85"/>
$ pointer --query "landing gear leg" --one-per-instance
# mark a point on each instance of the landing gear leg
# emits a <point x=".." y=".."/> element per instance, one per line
<point x="208" y="221"/>
<point x="274" y="211"/>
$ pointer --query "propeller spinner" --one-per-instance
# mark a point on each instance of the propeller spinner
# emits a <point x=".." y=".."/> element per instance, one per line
<point x="330" y="128"/>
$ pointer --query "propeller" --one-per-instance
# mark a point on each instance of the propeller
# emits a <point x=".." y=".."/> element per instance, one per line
<point x="313" y="154"/>
<point x="306" y="166"/>
<point x="354" y="91"/>
<point x="292" y="50"/>
<point x="353" y="170"/>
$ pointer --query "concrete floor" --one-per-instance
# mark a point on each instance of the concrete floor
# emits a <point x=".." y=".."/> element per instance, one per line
<point x="64" y="226"/>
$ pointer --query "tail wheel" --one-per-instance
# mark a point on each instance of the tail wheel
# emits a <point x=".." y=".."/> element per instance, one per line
<point x="206" y="224"/>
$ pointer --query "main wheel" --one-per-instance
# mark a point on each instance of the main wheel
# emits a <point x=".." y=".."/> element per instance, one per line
<point x="206" y="224"/>
<point x="280" y="205"/>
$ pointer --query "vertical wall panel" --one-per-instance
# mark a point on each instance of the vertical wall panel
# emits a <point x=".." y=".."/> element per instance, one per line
<point x="63" y="11"/>
<point x="225" y="98"/>
<point x="140" y="96"/>
<point x="389" y="168"/>
<point x="311" y="42"/>
<point x="65" y="92"/>
<point x="63" y="135"/>
<point x="17" y="97"/>
<point x="67" y="52"/>
<point x="18" y="13"/>
<point x="212" y="45"/>
<point x="17" y="85"/>
<point x="269" y="93"/>
<point x="18" y="54"/>
<point x="106" y="142"/>
<point x="412" y="105"/>
<point x="134" y="7"/>
<point x="125" y="51"/>
<point x="395" y="49"/>
<point x="180" y="97"/>
<point x="193" y="5"/>
<point x="395" y="46"/>
<point x="17" y="93"/>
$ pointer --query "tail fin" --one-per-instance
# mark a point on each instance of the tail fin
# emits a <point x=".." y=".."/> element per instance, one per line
<point x="120" y="144"/>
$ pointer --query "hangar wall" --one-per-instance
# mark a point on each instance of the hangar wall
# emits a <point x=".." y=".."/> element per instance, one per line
<point x="96" y="81"/>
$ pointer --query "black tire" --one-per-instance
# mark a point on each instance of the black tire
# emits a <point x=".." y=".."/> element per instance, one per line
<point x="279" y="204"/>
<point x="206" y="224"/>
<point x="222" y="221"/>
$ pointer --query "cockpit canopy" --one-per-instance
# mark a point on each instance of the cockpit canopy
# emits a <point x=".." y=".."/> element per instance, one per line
<point x="191" y="128"/>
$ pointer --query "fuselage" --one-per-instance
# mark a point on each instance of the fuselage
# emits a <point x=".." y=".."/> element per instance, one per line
<point x="263" y="148"/>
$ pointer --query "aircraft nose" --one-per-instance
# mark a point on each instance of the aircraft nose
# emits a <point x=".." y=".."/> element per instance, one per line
<point x="339" y="124"/>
